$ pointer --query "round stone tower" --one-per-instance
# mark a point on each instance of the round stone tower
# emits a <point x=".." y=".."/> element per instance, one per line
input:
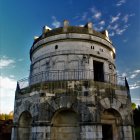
<point x="73" y="91"/>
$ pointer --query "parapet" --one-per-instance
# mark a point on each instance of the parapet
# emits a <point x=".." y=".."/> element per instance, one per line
<point x="87" y="29"/>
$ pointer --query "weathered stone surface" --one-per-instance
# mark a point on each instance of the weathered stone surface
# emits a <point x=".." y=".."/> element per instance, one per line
<point x="73" y="91"/>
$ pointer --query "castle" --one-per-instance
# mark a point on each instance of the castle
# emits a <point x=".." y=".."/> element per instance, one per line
<point x="73" y="91"/>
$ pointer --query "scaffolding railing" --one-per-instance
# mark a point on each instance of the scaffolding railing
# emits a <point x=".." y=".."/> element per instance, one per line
<point x="70" y="75"/>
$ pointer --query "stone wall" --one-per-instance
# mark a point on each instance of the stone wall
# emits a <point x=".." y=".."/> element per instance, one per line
<point x="89" y="107"/>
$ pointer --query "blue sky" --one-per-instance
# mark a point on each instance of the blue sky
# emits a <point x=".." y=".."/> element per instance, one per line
<point x="21" y="20"/>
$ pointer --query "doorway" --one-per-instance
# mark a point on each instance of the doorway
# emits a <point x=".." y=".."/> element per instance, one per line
<point x="107" y="132"/>
<point x="111" y="120"/>
<point x="98" y="71"/>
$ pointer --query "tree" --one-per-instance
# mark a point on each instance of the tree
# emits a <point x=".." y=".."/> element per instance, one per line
<point x="6" y="116"/>
<point x="2" y="117"/>
<point x="136" y="116"/>
<point x="133" y="105"/>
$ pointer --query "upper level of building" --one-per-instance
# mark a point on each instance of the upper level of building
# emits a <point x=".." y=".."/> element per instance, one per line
<point x="85" y="33"/>
<point x="65" y="58"/>
<point x="73" y="51"/>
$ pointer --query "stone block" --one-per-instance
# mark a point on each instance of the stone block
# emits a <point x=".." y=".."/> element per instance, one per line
<point x="127" y="128"/>
<point x="90" y="135"/>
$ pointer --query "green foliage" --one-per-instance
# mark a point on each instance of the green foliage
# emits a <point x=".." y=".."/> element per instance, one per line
<point x="133" y="105"/>
<point x="6" y="116"/>
<point x="2" y="116"/>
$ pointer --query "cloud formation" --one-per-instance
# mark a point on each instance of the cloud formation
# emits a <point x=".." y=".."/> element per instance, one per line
<point x="55" y="22"/>
<point x="7" y="94"/>
<point x="133" y="78"/>
<point x="117" y="23"/>
<point x="6" y="62"/>
<point x="102" y="22"/>
<point x="116" y="26"/>
<point x="125" y="18"/>
<point x="121" y="2"/>
<point x="135" y="85"/>
<point x="113" y="27"/>
<point x="96" y="13"/>
<point x="115" y="18"/>
<point x="100" y="28"/>
<point x="134" y="74"/>
<point x="111" y="34"/>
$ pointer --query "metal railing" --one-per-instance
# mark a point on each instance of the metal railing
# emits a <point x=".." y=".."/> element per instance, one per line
<point x="70" y="75"/>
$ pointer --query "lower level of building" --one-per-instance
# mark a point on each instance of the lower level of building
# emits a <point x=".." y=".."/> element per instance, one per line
<point x="75" y="110"/>
<point x="65" y="125"/>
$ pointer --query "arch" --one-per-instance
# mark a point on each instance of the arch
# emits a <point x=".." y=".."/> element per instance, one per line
<point x="65" y="125"/>
<point x="24" y="128"/>
<point x="112" y="114"/>
<point x="105" y="102"/>
<point x="111" y="120"/>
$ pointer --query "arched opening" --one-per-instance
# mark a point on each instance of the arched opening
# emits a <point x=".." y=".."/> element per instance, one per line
<point x="111" y="120"/>
<point x="65" y="126"/>
<point x="24" y="129"/>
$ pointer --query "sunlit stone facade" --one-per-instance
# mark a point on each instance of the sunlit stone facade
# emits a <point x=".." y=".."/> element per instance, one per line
<point x="73" y="91"/>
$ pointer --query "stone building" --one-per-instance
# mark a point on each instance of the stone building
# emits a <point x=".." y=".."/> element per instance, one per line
<point x="73" y="91"/>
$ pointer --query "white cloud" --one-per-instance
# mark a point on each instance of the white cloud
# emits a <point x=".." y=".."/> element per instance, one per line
<point x="125" y="40"/>
<point x="113" y="27"/>
<point x="7" y="81"/>
<point x="115" y="18"/>
<point x="125" y="18"/>
<point x="120" y="31"/>
<point x="96" y="14"/>
<point x="12" y="76"/>
<point x="134" y="74"/>
<point x="102" y="22"/>
<point x="20" y="59"/>
<point x="81" y="25"/>
<point x="133" y="78"/>
<point x="117" y="26"/>
<point x="111" y="34"/>
<point x="135" y="85"/>
<point x="7" y="94"/>
<point x="131" y="15"/>
<point x="137" y="71"/>
<point x="124" y="74"/>
<point x="120" y="2"/>
<point x="93" y="10"/>
<point x="55" y="22"/>
<point x="98" y="28"/>
<point x="6" y="62"/>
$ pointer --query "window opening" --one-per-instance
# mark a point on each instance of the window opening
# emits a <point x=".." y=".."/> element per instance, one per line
<point x="56" y="46"/>
<point x="101" y="50"/>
